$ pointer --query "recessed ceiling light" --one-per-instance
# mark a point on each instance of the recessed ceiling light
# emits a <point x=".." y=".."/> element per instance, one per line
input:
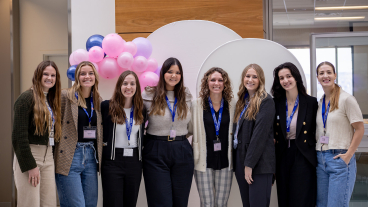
<point x="341" y="7"/>
<point x="338" y="18"/>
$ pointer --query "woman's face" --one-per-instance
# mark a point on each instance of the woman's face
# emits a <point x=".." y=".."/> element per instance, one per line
<point x="48" y="78"/>
<point x="287" y="81"/>
<point x="87" y="76"/>
<point x="172" y="77"/>
<point x="216" y="83"/>
<point x="251" y="81"/>
<point x="326" y="76"/>
<point x="129" y="86"/>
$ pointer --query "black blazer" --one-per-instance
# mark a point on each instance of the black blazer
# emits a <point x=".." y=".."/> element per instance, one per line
<point x="305" y="138"/>
<point x="108" y="132"/>
<point x="255" y="140"/>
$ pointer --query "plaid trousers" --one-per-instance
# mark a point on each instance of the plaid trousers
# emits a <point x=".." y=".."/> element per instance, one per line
<point x="214" y="186"/>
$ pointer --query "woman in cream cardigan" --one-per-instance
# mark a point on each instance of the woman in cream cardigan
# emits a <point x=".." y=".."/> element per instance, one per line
<point x="212" y="119"/>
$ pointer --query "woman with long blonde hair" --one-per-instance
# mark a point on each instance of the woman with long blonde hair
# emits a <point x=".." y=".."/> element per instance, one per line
<point x="36" y="127"/>
<point x="254" y="152"/>
<point x="78" y="154"/>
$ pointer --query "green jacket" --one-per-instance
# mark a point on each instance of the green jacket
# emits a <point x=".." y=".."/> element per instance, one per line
<point x="24" y="131"/>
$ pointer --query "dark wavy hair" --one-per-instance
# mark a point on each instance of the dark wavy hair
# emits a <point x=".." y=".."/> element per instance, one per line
<point x="227" y="93"/>
<point x="277" y="90"/>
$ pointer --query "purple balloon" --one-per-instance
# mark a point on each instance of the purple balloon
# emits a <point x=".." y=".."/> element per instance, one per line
<point x="158" y="71"/>
<point x="144" y="47"/>
<point x="108" y="68"/>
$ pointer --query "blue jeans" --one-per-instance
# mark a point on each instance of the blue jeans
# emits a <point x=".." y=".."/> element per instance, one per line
<point x="80" y="187"/>
<point x="335" y="179"/>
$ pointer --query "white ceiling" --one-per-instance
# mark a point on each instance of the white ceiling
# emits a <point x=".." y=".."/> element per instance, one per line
<point x="301" y="13"/>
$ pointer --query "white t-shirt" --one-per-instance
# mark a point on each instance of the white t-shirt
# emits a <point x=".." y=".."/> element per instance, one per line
<point x="121" y="138"/>
<point x="338" y="124"/>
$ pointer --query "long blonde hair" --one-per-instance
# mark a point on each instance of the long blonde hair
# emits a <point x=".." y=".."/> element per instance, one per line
<point x="255" y="101"/>
<point x="77" y="87"/>
<point x="335" y="95"/>
<point x="42" y="117"/>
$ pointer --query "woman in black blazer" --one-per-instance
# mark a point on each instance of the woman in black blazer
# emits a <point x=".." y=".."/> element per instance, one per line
<point x="123" y="122"/>
<point x="254" y="151"/>
<point x="295" y="140"/>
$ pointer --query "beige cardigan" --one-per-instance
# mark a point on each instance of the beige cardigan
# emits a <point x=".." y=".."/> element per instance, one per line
<point x="196" y="127"/>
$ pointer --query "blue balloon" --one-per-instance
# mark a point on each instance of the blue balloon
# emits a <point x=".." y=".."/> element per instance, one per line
<point x="70" y="73"/>
<point x="94" y="40"/>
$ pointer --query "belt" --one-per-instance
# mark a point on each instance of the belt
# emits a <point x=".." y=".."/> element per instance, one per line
<point x="166" y="138"/>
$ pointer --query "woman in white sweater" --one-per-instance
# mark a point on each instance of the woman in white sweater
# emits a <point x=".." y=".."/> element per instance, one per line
<point x="212" y="119"/>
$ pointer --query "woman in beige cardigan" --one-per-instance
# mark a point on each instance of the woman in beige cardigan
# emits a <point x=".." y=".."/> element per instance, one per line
<point x="212" y="119"/>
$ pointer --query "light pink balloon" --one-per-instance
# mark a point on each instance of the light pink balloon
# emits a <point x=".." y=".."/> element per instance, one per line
<point x="95" y="54"/>
<point x="151" y="65"/>
<point x="96" y="66"/>
<point x="125" y="60"/>
<point x="130" y="47"/>
<point x="108" y="68"/>
<point x="139" y="64"/>
<point x="148" y="79"/>
<point x="113" y="45"/>
<point x="80" y="55"/>
<point x="71" y="59"/>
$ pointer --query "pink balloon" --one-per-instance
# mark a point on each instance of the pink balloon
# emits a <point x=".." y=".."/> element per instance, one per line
<point x="139" y="64"/>
<point x="113" y="45"/>
<point x="109" y="68"/>
<point x="130" y="47"/>
<point x="148" y="79"/>
<point x="71" y="59"/>
<point x="96" y="66"/>
<point x="80" y="55"/>
<point x="125" y="60"/>
<point x="151" y="65"/>
<point x="95" y="54"/>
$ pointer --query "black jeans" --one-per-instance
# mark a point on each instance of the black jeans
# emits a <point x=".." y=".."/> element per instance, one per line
<point x="168" y="172"/>
<point x="121" y="179"/>
<point x="258" y="194"/>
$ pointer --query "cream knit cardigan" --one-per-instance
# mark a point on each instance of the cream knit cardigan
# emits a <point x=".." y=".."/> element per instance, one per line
<point x="196" y="127"/>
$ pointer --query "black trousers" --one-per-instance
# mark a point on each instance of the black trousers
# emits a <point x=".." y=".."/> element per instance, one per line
<point x="121" y="179"/>
<point x="257" y="194"/>
<point x="296" y="179"/>
<point x="168" y="172"/>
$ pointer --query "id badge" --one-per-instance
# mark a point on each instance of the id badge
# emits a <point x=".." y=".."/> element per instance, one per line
<point x="89" y="132"/>
<point x="324" y="139"/>
<point x="128" y="152"/>
<point x="216" y="146"/>
<point x="172" y="133"/>
<point x="51" y="141"/>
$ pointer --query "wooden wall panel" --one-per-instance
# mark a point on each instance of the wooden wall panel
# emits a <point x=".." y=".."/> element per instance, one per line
<point x="245" y="17"/>
<point x="132" y="36"/>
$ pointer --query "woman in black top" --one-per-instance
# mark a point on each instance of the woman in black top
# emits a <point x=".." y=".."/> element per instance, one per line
<point x="123" y="118"/>
<point x="295" y="127"/>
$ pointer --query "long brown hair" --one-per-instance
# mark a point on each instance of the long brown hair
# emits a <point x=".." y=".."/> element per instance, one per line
<point x="41" y="113"/>
<point x="256" y="100"/>
<point x="335" y="95"/>
<point x="227" y="93"/>
<point x="159" y="103"/>
<point x="77" y="88"/>
<point x="117" y="101"/>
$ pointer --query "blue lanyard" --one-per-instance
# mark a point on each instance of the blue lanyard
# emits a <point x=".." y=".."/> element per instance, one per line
<point x="324" y="112"/>
<point x="171" y="110"/>
<point x="288" y="119"/>
<point x="217" y="123"/>
<point x="52" y="116"/>
<point x="129" y="124"/>
<point x="89" y="118"/>
<point x="241" y="115"/>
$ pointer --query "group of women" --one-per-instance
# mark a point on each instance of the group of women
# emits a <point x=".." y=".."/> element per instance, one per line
<point x="68" y="136"/>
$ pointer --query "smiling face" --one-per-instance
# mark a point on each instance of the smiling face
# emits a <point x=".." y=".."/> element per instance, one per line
<point x="48" y="78"/>
<point x="287" y="80"/>
<point x="129" y="86"/>
<point x="172" y="77"/>
<point x="251" y="81"/>
<point x="216" y="83"/>
<point x="326" y="76"/>
<point x="87" y="76"/>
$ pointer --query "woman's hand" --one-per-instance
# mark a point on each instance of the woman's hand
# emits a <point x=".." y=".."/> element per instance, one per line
<point x="34" y="176"/>
<point x="346" y="157"/>
<point x="248" y="174"/>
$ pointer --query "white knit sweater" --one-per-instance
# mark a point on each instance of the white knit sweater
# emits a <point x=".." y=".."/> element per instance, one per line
<point x="196" y="127"/>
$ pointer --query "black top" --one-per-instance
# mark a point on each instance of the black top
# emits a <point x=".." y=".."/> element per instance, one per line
<point x="84" y="121"/>
<point x="219" y="159"/>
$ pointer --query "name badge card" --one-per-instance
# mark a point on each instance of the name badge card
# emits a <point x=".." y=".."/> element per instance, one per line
<point x="89" y="132"/>
<point x="128" y="152"/>
<point x="324" y="139"/>
<point x="51" y="141"/>
<point x="172" y="133"/>
<point x="216" y="145"/>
